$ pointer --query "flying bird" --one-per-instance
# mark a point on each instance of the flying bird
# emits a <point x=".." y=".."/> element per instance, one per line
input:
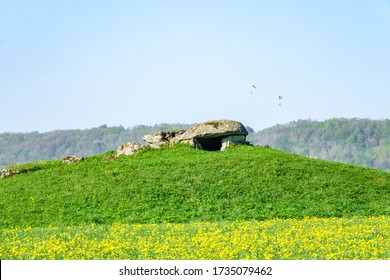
<point x="251" y="88"/>
<point x="280" y="99"/>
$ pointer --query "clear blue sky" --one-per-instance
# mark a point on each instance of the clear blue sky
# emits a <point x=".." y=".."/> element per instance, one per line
<point x="79" y="64"/>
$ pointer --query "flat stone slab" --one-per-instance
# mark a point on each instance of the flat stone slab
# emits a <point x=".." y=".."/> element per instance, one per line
<point x="213" y="129"/>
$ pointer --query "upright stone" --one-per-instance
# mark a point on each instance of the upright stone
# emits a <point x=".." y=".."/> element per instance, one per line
<point x="232" y="140"/>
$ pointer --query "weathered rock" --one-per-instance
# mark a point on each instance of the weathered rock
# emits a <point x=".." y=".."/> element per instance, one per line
<point x="72" y="159"/>
<point x="4" y="173"/>
<point x="156" y="140"/>
<point x="211" y="135"/>
<point x="128" y="148"/>
<point x="213" y="129"/>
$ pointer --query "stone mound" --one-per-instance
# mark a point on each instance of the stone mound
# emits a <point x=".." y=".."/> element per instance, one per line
<point x="210" y="135"/>
<point x="72" y="159"/>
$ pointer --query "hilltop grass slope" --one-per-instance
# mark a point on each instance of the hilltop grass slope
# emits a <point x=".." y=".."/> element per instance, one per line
<point x="182" y="185"/>
<point x="355" y="141"/>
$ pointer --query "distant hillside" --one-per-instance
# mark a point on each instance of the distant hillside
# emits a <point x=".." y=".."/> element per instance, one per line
<point x="356" y="141"/>
<point x="34" y="146"/>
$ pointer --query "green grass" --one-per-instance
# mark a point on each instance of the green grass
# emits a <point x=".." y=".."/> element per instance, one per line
<point x="182" y="185"/>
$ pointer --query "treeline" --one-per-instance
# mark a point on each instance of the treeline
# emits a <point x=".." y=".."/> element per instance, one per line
<point x="356" y="141"/>
<point x="34" y="146"/>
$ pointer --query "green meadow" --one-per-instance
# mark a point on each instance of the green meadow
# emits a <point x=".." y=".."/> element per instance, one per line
<point x="183" y="186"/>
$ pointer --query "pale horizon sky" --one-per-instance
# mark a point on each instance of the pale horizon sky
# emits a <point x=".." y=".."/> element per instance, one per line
<point x="82" y="64"/>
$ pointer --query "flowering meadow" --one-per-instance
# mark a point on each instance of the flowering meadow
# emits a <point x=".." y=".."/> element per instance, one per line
<point x="179" y="203"/>
<point x="282" y="239"/>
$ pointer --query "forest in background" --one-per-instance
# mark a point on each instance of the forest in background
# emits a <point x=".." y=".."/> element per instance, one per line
<point x="34" y="146"/>
<point x="362" y="142"/>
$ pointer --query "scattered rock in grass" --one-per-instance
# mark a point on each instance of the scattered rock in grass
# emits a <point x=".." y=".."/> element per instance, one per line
<point x="4" y="173"/>
<point x="110" y="158"/>
<point x="128" y="149"/>
<point x="72" y="159"/>
<point x="161" y="138"/>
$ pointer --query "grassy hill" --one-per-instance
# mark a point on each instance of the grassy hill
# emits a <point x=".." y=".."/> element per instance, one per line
<point x="361" y="142"/>
<point x="247" y="202"/>
<point x="355" y="141"/>
<point x="182" y="185"/>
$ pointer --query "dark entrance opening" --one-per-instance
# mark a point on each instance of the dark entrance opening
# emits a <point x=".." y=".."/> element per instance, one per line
<point x="210" y="144"/>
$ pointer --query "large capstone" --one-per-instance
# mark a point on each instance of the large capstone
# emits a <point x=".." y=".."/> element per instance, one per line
<point x="213" y="135"/>
<point x="210" y="136"/>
